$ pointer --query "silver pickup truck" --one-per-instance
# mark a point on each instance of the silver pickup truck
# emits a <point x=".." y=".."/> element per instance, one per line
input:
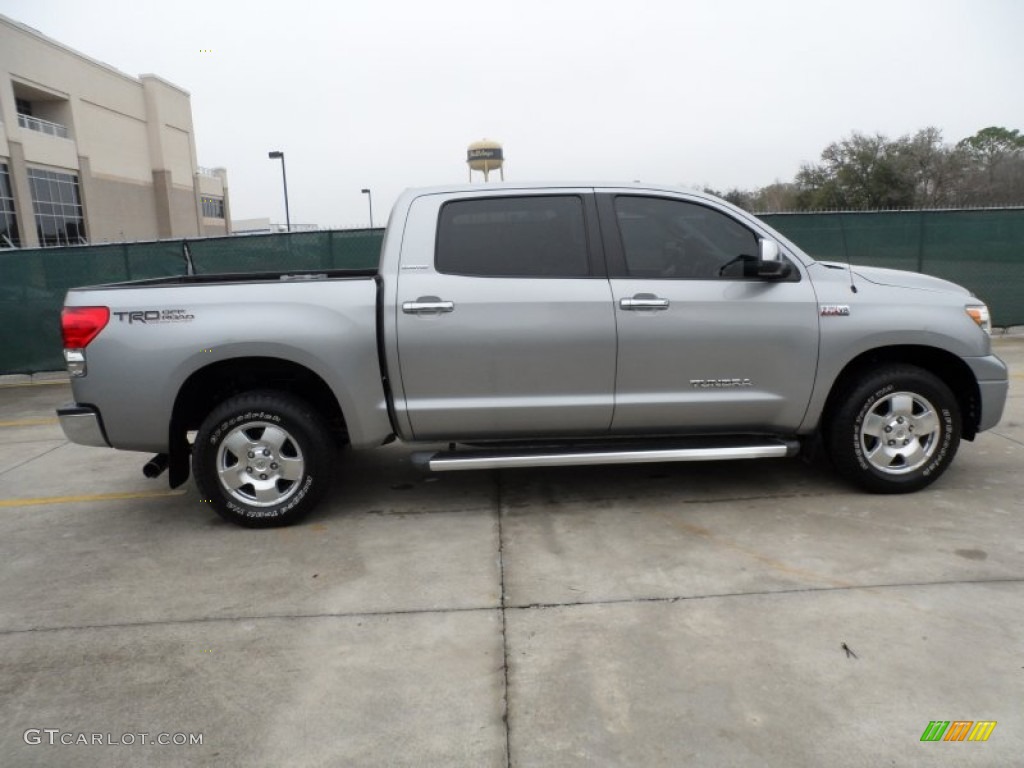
<point x="527" y="326"/>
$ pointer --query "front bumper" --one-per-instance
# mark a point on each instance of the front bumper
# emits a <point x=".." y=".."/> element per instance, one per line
<point x="993" y="400"/>
<point x="82" y="424"/>
<point x="993" y="385"/>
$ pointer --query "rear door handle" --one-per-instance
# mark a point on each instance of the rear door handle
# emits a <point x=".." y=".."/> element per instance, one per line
<point x="427" y="305"/>
<point x="644" y="301"/>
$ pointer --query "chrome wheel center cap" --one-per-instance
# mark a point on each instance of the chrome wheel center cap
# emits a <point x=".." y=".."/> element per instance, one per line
<point x="260" y="464"/>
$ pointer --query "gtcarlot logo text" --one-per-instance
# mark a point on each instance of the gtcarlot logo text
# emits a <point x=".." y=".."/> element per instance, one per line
<point x="57" y="737"/>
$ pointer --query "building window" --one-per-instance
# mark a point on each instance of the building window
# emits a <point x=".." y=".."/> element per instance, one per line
<point x="8" y="219"/>
<point x="213" y="207"/>
<point x="58" y="207"/>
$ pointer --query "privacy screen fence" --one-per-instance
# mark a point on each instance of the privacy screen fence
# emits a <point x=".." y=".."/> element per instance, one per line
<point x="983" y="250"/>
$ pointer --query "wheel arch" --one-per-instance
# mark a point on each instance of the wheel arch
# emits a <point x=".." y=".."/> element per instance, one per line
<point x="209" y="386"/>
<point x="945" y="366"/>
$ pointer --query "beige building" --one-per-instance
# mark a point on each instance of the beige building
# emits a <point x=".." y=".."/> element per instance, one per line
<point x="90" y="154"/>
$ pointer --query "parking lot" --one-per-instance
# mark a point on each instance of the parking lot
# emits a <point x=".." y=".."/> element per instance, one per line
<point x="727" y="614"/>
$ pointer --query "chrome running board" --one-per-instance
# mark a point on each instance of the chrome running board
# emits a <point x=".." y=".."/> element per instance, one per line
<point x="709" y="449"/>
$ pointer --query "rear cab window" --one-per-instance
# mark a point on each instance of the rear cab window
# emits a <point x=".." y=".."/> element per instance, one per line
<point x="527" y="236"/>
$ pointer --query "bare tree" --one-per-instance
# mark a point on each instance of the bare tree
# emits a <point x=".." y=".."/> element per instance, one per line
<point x="995" y="160"/>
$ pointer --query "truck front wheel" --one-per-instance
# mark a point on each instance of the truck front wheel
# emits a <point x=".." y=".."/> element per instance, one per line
<point x="262" y="459"/>
<point x="895" y="430"/>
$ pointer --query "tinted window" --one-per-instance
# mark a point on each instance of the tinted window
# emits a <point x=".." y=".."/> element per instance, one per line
<point x="513" y="237"/>
<point x="671" y="238"/>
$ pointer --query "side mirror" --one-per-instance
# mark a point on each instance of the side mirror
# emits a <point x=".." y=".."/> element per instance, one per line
<point x="769" y="249"/>
<point x="771" y="265"/>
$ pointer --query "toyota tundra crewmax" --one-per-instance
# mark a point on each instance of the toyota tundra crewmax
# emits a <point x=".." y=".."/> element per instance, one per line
<point x="527" y="326"/>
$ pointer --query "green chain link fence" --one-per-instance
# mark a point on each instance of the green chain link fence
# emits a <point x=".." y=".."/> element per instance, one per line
<point x="982" y="250"/>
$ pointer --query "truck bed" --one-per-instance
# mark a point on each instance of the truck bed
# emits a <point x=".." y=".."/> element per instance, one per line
<point x="164" y="332"/>
<point x="237" y="277"/>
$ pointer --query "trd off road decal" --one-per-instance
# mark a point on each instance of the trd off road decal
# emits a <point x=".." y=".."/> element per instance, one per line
<point x="152" y="316"/>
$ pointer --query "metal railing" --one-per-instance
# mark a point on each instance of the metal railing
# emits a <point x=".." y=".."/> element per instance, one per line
<point x="202" y="170"/>
<point x="42" y="126"/>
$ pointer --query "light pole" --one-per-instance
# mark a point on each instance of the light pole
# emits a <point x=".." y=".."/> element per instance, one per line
<point x="284" y="178"/>
<point x="369" y="198"/>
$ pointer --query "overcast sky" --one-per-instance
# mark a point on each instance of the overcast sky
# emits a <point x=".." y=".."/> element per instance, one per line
<point x="388" y="94"/>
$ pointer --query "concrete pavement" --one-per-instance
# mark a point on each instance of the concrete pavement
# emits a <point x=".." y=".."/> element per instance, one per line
<point x="672" y="614"/>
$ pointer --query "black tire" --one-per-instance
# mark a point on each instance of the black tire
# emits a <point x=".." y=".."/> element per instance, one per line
<point x="894" y="430"/>
<point x="283" y="456"/>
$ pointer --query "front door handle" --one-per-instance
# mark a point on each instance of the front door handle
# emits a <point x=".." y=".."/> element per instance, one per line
<point x="644" y="301"/>
<point x="427" y="305"/>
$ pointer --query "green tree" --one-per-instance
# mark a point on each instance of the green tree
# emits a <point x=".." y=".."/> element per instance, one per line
<point x="993" y="143"/>
<point x="918" y="170"/>
<point x="857" y="173"/>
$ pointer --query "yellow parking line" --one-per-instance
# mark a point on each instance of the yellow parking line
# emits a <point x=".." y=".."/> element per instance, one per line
<point x="44" y="383"/>
<point x="90" y="497"/>
<point x="28" y="422"/>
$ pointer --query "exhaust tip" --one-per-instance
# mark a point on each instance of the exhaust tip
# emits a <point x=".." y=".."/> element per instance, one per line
<point x="155" y="466"/>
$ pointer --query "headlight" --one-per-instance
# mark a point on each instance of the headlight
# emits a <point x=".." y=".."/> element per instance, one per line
<point x="979" y="314"/>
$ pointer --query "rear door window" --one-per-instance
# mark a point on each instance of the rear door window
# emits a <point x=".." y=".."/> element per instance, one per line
<point x="530" y="236"/>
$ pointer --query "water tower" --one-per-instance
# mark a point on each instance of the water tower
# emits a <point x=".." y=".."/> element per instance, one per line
<point x="485" y="155"/>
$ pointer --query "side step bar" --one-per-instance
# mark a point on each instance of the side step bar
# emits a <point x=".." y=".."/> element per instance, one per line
<point x="709" y="449"/>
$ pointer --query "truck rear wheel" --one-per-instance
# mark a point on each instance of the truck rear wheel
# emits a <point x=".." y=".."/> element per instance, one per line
<point x="262" y="459"/>
<point x="896" y="430"/>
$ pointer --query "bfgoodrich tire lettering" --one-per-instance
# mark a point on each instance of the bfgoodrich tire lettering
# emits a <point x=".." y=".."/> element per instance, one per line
<point x="262" y="459"/>
<point x="895" y="430"/>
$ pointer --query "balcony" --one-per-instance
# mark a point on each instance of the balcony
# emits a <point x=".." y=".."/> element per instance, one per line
<point x="42" y="126"/>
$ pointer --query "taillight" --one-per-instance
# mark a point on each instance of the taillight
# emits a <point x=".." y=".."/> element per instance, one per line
<point x="80" y="325"/>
